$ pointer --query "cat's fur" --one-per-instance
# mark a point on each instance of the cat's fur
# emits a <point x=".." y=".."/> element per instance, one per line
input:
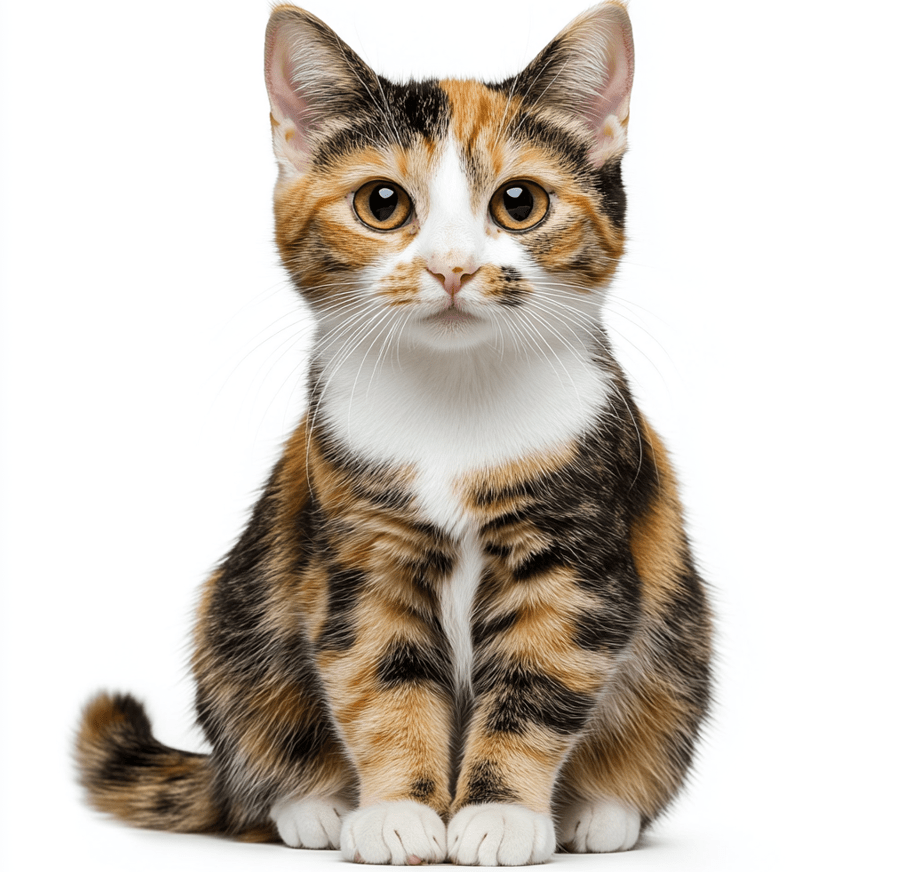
<point x="465" y="605"/>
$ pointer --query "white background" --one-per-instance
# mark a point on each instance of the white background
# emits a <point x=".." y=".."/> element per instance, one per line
<point x="152" y="362"/>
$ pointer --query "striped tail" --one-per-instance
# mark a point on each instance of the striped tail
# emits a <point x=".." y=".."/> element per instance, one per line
<point x="129" y="774"/>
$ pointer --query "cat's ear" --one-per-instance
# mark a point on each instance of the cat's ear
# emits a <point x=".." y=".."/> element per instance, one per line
<point x="314" y="80"/>
<point x="586" y="71"/>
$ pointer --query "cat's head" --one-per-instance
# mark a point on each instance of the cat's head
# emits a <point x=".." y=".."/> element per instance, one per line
<point x="451" y="214"/>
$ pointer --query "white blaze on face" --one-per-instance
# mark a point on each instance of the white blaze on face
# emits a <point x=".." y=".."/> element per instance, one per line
<point x="451" y="235"/>
<point x="456" y="238"/>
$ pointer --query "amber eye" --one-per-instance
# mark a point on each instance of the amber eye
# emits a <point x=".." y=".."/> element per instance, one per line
<point x="519" y="205"/>
<point x="382" y="205"/>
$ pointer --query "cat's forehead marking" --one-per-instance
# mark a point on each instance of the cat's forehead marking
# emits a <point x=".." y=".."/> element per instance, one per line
<point x="481" y="120"/>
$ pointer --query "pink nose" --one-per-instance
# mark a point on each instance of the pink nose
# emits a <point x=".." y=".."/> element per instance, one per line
<point x="451" y="277"/>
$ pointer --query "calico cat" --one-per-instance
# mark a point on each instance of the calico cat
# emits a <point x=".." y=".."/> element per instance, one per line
<point x="463" y="621"/>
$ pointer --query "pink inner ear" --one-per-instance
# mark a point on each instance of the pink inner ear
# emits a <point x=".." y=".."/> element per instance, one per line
<point x="607" y="52"/>
<point x="614" y="95"/>
<point x="287" y="103"/>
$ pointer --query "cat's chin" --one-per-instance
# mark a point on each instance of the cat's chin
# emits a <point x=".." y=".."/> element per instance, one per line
<point x="452" y="329"/>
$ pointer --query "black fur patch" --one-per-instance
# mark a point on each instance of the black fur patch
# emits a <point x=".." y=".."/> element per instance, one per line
<point x="595" y="630"/>
<point x="485" y="631"/>
<point x="486" y="784"/>
<point x="344" y="593"/>
<point x="388" y="114"/>
<point x="234" y="623"/>
<point x="513" y="293"/>
<point x="305" y="743"/>
<point x="527" y="697"/>
<point x="407" y="663"/>
<point x="423" y="789"/>
<point x="608" y="181"/>
<point x="539" y="563"/>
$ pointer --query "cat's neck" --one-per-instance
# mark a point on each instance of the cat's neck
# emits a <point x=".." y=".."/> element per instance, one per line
<point x="455" y="412"/>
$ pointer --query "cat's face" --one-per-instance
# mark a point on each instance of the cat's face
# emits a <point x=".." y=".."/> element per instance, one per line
<point x="451" y="214"/>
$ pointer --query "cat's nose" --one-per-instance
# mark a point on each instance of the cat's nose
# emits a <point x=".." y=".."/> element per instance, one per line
<point x="452" y="277"/>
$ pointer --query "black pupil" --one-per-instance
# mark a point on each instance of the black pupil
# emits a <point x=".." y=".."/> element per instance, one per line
<point x="518" y="202"/>
<point x="383" y="202"/>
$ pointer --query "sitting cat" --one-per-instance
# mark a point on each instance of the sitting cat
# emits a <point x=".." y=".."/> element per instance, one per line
<point x="463" y="621"/>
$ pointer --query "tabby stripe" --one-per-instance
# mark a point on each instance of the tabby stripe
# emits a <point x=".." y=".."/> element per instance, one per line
<point x="523" y="697"/>
<point x="344" y="594"/>
<point x="485" y="784"/>
<point x="408" y="663"/>
<point x="538" y="564"/>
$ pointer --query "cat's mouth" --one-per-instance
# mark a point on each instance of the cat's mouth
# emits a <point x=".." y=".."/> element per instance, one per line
<point x="452" y="315"/>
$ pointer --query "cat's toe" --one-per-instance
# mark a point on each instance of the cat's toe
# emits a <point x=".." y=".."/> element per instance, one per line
<point x="311" y="822"/>
<point x="403" y="833"/>
<point x="496" y="834"/>
<point x="599" y="827"/>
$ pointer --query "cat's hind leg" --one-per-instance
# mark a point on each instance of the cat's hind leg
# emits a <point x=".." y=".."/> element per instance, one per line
<point x="310" y="821"/>
<point x="599" y="826"/>
<point x="633" y="758"/>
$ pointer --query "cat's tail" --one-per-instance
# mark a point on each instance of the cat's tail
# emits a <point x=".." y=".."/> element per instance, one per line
<point x="129" y="774"/>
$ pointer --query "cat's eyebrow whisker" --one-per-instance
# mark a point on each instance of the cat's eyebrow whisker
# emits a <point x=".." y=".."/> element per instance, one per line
<point x="502" y="128"/>
<point x="513" y="133"/>
<point x="384" y="109"/>
<point x="535" y="78"/>
<point x="390" y="119"/>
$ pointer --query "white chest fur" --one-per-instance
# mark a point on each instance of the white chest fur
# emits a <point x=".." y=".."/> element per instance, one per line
<point x="447" y="418"/>
<point x="449" y="415"/>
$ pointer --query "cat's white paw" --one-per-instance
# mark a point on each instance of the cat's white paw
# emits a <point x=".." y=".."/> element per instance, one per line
<point x="400" y="833"/>
<point x="311" y="822"/>
<point x="599" y="827"/>
<point x="496" y="834"/>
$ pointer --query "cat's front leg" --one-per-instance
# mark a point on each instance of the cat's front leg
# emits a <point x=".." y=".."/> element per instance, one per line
<point x="395" y="722"/>
<point x="386" y="671"/>
<point x="546" y="642"/>
<point x="526" y="720"/>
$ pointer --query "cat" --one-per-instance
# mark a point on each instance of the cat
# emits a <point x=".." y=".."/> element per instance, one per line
<point x="463" y="622"/>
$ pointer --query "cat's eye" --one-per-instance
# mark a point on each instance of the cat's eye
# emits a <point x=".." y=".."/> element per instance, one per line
<point x="519" y="205"/>
<point x="382" y="205"/>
